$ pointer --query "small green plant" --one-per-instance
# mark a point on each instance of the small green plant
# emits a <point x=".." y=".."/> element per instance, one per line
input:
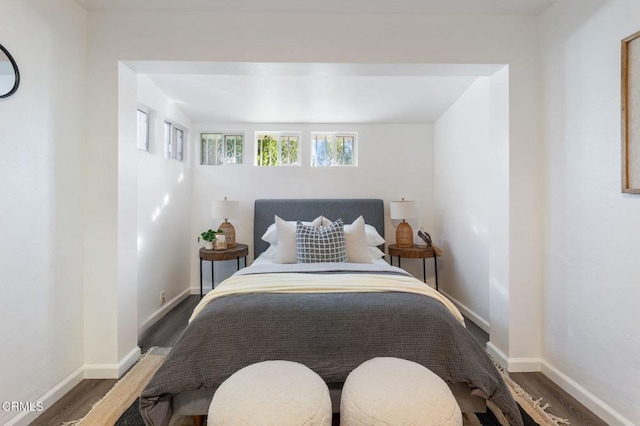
<point x="209" y="235"/>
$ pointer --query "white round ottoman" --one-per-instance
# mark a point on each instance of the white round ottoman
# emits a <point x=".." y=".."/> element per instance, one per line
<point x="393" y="391"/>
<point x="272" y="393"/>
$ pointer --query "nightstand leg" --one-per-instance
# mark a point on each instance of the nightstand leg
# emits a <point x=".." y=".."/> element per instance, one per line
<point x="238" y="268"/>
<point x="399" y="262"/>
<point x="212" y="282"/>
<point x="200" y="278"/>
<point x="424" y="270"/>
<point x="435" y="268"/>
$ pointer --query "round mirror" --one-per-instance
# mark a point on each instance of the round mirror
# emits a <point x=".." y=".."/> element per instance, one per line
<point x="9" y="75"/>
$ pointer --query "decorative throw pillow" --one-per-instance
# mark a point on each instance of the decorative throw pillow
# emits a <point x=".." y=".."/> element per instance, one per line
<point x="326" y="244"/>
<point x="286" y="232"/>
<point x="271" y="234"/>
<point x="356" y="242"/>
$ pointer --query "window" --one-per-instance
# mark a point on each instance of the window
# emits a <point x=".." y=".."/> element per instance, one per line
<point x="144" y="120"/>
<point x="174" y="138"/>
<point x="168" y="151"/>
<point x="333" y="149"/>
<point x="277" y="149"/>
<point x="220" y="148"/>
<point x="179" y="138"/>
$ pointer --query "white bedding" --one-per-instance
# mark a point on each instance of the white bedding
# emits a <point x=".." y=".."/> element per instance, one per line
<point x="264" y="263"/>
<point x="264" y="276"/>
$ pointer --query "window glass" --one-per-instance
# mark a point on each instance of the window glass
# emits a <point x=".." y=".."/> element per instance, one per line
<point x="277" y="149"/>
<point x="168" y="136"/>
<point x="179" y="138"/>
<point x="219" y="148"/>
<point x="333" y="149"/>
<point x="143" y="130"/>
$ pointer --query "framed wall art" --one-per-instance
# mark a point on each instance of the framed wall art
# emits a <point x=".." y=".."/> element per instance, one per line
<point x="630" y="97"/>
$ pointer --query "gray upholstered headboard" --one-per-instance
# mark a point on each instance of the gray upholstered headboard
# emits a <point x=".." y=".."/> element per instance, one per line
<point x="347" y="209"/>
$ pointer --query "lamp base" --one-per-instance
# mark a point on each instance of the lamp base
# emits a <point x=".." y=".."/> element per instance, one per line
<point x="230" y="231"/>
<point x="404" y="235"/>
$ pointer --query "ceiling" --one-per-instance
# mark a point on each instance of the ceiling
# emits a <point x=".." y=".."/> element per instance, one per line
<point x="316" y="93"/>
<point x="312" y="93"/>
<point x="412" y="7"/>
<point x="312" y="99"/>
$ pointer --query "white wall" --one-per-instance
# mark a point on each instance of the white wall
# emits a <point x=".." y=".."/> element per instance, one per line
<point x="164" y="211"/>
<point x="42" y="127"/>
<point x="511" y="40"/>
<point x="592" y="237"/>
<point x="394" y="161"/>
<point x="461" y="179"/>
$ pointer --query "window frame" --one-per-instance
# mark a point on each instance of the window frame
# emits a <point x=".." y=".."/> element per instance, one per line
<point x="278" y="135"/>
<point x="172" y="149"/>
<point x="334" y="136"/>
<point x="147" y="143"/>
<point x="223" y="139"/>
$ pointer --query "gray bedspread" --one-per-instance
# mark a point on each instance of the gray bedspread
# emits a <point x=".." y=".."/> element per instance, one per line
<point x="331" y="334"/>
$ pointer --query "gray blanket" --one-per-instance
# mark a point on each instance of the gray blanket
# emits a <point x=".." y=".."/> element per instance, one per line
<point x="330" y="333"/>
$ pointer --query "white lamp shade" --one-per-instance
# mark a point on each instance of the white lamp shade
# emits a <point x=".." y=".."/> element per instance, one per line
<point x="402" y="210"/>
<point x="225" y="209"/>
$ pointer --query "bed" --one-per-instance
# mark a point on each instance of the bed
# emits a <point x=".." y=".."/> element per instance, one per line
<point x="329" y="316"/>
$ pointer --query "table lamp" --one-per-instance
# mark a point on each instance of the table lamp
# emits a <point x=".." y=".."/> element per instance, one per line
<point x="402" y="210"/>
<point x="226" y="210"/>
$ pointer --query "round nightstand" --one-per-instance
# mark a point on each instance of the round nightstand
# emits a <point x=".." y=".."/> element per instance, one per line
<point x="417" y="252"/>
<point x="240" y="250"/>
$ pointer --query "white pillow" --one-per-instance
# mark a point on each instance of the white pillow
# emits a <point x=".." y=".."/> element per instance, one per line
<point x="271" y="252"/>
<point x="271" y="234"/>
<point x="373" y="238"/>
<point x="286" y="232"/>
<point x="375" y="252"/>
<point x="356" y="242"/>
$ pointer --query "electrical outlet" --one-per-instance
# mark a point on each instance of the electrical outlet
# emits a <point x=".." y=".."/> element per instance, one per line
<point x="162" y="297"/>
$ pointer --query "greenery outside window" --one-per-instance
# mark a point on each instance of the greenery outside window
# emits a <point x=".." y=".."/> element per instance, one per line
<point x="333" y="149"/>
<point x="221" y="148"/>
<point x="277" y="149"/>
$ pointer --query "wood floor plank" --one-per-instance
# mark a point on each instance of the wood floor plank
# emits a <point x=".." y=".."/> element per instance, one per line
<point x="561" y="403"/>
<point x="76" y="403"/>
<point x="167" y="330"/>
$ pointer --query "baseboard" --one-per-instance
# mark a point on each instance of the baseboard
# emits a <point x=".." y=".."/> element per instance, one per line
<point x="589" y="400"/>
<point x="514" y="365"/>
<point x="467" y="312"/>
<point x="112" y="371"/>
<point x="196" y="290"/>
<point x="49" y="398"/>
<point x="497" y="355"/>
<point x="157" y="315"/>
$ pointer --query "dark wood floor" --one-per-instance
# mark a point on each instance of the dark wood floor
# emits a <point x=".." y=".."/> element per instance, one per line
<point x="165" y="332"/>
<point x="540" y="386"/>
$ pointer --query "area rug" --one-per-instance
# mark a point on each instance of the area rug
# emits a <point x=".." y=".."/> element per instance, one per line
<point x="120" y="405"/>
<point x="125" y="392"/>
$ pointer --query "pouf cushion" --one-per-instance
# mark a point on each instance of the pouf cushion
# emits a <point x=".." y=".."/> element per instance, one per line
<point x="272" y="393"/>
<point x="385" y="391"/>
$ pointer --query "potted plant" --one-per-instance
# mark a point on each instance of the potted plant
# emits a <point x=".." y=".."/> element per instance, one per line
<point x="209" y="237"/>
